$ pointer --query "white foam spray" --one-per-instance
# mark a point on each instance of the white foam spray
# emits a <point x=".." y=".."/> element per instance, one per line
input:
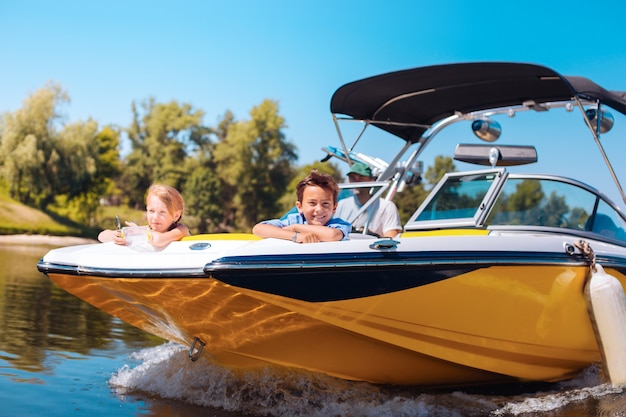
<point x="167" y="372"/>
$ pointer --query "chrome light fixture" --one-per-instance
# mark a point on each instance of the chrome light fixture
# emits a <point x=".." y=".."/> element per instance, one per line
<point x="606" y="119"/>
<point x="486" y="129"/>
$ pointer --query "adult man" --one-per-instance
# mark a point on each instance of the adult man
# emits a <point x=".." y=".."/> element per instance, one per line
<point x="381" y="218"/>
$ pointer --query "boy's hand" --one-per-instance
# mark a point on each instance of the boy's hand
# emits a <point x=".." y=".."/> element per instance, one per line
<point x="305" y="237"/>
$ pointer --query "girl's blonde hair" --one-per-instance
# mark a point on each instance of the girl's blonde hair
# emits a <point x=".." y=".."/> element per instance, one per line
<point x="170" y="197"/>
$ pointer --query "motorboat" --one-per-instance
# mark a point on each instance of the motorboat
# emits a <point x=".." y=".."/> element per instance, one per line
<point x="485" y="284"/>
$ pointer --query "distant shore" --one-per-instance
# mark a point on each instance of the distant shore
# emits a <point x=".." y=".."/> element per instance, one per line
<point x="44" y="240"/>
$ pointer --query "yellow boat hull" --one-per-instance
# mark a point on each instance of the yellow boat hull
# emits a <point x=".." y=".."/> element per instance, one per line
<point x="490" y="325"/>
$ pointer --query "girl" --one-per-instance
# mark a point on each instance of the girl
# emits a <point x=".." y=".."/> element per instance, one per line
<point x="164" y="209"/>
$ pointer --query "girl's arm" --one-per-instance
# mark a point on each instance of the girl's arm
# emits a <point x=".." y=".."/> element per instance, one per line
<point x="107" y="235"/>
<point x="114" y="235"/>
<point x="110" y="235"/>
<point x="162" y="239"/>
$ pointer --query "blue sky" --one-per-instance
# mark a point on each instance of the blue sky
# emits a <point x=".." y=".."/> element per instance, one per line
<point x="230" y="55"/>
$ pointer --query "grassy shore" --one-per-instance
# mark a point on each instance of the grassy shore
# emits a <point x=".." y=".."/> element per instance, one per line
<point x="23" y="221"/>
<point x="47" y="240"/>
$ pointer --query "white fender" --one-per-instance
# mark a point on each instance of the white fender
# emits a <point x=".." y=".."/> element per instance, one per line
<point x="608" y="307"/>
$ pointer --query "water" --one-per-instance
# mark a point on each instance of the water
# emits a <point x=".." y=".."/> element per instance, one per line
<point x="61" y="357"/>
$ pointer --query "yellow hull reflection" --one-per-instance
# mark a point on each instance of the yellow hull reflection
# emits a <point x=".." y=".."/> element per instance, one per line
<point x="489" y="325"/>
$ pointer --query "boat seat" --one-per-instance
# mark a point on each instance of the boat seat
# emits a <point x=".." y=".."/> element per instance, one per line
<point x="603" y="225"/>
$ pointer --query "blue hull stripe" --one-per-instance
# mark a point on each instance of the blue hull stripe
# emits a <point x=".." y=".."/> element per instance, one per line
<point x="332" y="277"/>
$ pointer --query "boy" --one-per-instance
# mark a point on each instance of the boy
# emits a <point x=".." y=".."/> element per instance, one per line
<point x="314" y="222"/>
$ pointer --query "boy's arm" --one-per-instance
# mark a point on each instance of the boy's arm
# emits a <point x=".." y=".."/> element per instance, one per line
<point x="302" y="233"/>
<point x="313" y="233"/>
<point x="266" y="230"/>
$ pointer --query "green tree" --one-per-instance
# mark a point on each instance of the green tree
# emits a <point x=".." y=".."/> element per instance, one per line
<point x="254" y="162"/>
<point x="29" y="158"/>
<point x="108" y="164"/>
<point x="77" y="147"/>
<point x="57" y="167"/>
<point x="91" y="161"/>
<point x="554" y="211"/>
<point x="409" y="200"/>
<point x="202" y="192"/>
<point x="441" y="166"/>
<point x="203" y="189"/>
<point x="161" y="136"/>
<point x="221" y="132"/>
<point x="577" y="218"/>
<point x="525" y="202"/>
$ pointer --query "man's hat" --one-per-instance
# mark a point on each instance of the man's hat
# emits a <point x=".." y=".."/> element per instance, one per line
<point x="361" y="169"/>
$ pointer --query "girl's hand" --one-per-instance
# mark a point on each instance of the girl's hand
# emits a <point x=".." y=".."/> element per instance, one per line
<point x="118" y="238"/>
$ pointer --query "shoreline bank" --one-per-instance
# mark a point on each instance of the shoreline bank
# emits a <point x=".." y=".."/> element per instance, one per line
<point x="44" y="240"/>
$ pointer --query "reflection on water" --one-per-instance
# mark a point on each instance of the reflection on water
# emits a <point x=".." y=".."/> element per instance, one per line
<point x="60" y="356"/>
<point x="57" y="352"/>
<point x="38" y="317"/>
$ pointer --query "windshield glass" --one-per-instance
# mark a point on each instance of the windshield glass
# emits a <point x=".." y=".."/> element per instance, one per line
<point x="553" y="203"/>
<point x="459" y="197"/>
<point x="540" y="202"/>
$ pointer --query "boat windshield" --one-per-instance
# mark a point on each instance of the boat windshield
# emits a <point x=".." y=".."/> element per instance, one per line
<point x="495" y="200"/>
<point x="554" y="202"/>
<point x="459" y="200"/>
<point x="542" y="202"/>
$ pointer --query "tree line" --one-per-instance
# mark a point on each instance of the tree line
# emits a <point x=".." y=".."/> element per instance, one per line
<point x="231" y="175"/>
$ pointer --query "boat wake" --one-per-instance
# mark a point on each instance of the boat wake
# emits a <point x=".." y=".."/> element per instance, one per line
<point x="167" y="372"/>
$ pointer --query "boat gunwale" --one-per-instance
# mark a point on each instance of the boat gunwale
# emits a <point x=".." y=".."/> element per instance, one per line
<point x="79" y="270"/>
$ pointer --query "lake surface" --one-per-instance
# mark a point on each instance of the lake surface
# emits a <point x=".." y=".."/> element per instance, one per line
<point x="61" y="357"/>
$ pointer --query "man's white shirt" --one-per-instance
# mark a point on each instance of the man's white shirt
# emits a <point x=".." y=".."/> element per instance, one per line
<point x="380" y="217"/>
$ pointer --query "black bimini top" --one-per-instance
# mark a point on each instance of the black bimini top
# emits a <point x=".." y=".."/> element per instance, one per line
<point x="423" y="96"/>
